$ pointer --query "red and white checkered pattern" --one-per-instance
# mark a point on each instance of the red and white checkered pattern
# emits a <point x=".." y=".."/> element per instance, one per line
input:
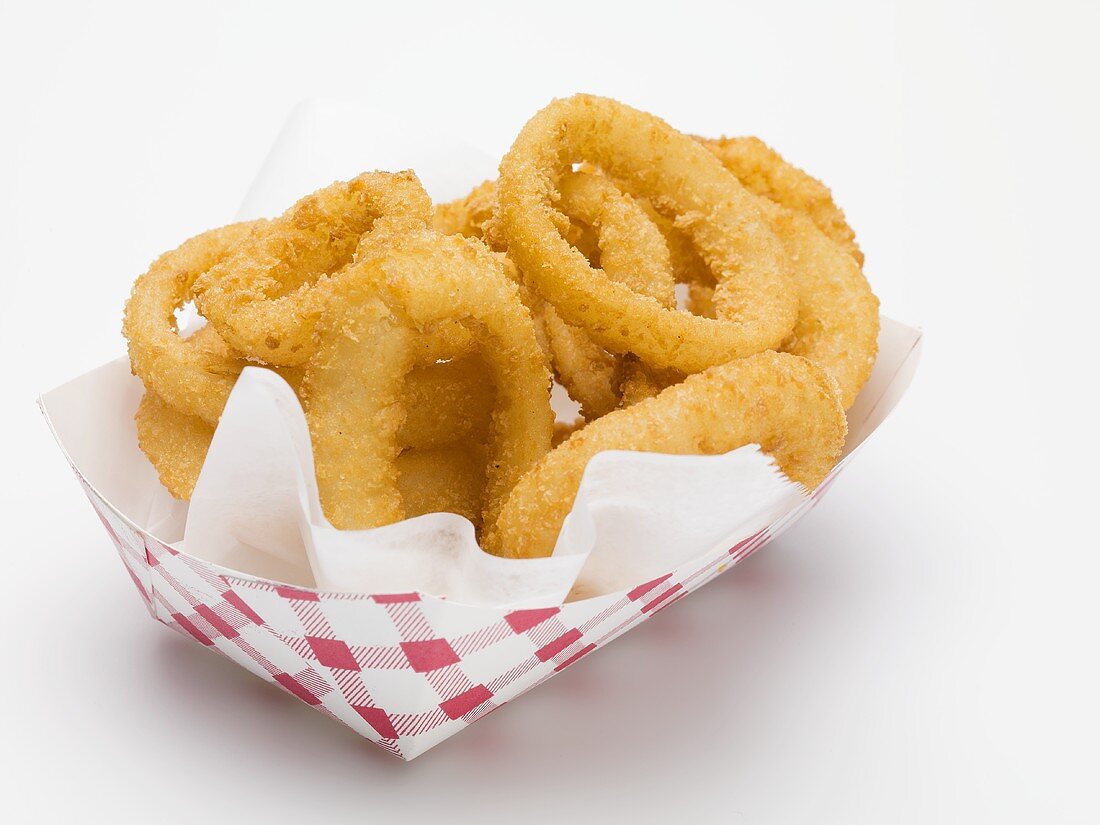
<point x="405" y="670"/>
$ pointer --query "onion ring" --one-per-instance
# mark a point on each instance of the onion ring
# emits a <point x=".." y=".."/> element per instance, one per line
<point x="266" y="296"/>
<point x="837" y="326"/>
<point x="447" y="400"/>
<point x="681" y="178"/>
<point x="194" y="379"/>
<point x="615" y="234"/>
<point x="631" y="251"/>
<point x="838" y="322"/>
<point x="782" y="402"/>
<point x="590" y="374"/>
<point x="399" y="290"/>
<point x="174" y="442"/>
<point x="764" y="172"/>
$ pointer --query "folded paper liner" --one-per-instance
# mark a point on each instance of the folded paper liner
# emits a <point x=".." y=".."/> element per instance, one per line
<point x="256" y="509"/>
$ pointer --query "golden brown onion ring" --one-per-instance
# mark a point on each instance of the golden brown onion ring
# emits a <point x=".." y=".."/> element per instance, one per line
<point x="782" y="402"/>
<point x="590" y="374"/>
<point x="194" y="379"/>
<point x="174" y="442"/>
<point x="446" y="400"/>
<point x="615" y="234"/>
<point x="764" y="172"/>
<point x="632" y="252"/>
<point x="399" y="290"/>
<point x="758" y="306"/>
<point x="838" y="322"/>
<point x="838" y="319"/>
<point x="837" y="325"/>
<point x="266" y="296"/>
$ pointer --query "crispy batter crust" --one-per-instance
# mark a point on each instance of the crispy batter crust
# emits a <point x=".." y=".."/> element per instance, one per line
<point x="781" y="402"/>
<point x="764" y="172"/>
<point x="401" y="288"/>
<point x="615" y="234"/>
<point x="758" y="305"/>
<point x="194" y="379"/>
<point x="266" y="296"/>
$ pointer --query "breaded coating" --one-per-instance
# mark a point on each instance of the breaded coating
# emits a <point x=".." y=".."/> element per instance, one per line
<point x="782" y="402"/>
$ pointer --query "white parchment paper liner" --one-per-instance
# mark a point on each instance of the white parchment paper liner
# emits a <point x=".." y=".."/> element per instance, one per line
<point x="256" y="508"/>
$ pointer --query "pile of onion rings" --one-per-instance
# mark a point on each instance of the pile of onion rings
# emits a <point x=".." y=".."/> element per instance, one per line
<point x="691" y="295"/>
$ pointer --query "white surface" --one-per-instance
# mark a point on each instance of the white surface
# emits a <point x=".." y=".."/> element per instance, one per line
<point x="921" y="648"/>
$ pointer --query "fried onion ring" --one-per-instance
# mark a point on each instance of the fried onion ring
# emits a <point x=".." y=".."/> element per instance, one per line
<point x="266" y="296"/>
<point x="631" y="251"/>
<point x="194" y="379"/>
<point x="758" y="306"/>
<point x="446" y="400"/>
<point x="590" y="374"/>
<point x="174" y="442"/>
<point x="837" y="326"/>
<point x="782" y="402"/>
<point x="397" y="292"/>
<point x="838" y="320"/>
<point x="616" y="235"/>
<point x="763" y="171"/>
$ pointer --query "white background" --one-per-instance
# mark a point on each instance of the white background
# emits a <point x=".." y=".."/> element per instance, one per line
<point x="922" y="648"/>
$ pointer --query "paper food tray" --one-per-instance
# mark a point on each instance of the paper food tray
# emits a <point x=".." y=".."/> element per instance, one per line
<point x="405" y="670"/>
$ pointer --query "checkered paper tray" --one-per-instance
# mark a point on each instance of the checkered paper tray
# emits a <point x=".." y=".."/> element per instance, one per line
<point x="407" y="669"/>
